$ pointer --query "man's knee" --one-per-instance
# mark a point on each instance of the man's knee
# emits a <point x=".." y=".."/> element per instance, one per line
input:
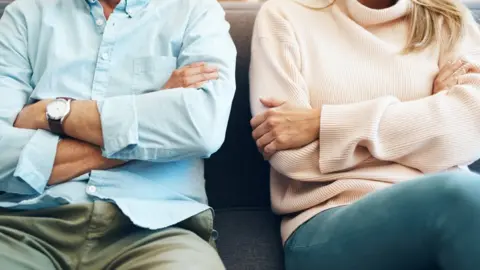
<point x="174" y="249"/>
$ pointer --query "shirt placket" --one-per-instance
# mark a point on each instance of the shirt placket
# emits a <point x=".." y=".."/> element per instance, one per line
<point x="106" y="28"/>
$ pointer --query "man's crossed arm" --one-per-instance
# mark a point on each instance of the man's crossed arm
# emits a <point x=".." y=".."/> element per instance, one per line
<point x="81" y="153"/>
<point x="190" y="122"/>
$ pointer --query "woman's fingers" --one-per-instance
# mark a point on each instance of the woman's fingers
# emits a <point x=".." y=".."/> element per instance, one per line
<point x="271" y="102"/>
<point x="471" y="68"/>
<point x="450" y="76"/>
<point x="262" y="129"/>
<point x="448" y="70"/>
<point x="456" y="78"/>
<point x="265" y="140"/>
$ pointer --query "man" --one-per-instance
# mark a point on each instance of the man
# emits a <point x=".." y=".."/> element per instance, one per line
<point x="99" y="167"/>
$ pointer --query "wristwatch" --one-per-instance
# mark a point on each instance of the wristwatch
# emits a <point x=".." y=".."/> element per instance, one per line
<point x="57" y="111"/>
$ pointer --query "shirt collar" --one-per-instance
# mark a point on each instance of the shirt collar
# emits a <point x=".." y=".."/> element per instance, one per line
<point x="131" y="7"/>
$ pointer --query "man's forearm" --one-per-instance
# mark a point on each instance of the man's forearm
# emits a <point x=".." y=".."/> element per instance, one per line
<point x="83" y="123"/>
<point x="75" y="158"/>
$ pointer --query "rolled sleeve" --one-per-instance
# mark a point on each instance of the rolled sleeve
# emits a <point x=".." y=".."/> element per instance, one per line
<point x="119" y="126"/>
<point x="31" y="169"/>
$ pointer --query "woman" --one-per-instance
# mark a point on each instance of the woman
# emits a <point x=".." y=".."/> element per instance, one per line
<point x="362" y="106"/>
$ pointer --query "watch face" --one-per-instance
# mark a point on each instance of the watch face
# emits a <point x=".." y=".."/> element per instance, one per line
<point x="57" y="109"/>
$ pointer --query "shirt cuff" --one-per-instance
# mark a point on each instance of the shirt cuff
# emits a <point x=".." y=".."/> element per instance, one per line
<point x="119" y="124"/>
<point x="36" y="160"/>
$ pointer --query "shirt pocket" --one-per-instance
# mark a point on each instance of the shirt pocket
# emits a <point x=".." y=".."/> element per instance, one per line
<point x="151" y="73"/>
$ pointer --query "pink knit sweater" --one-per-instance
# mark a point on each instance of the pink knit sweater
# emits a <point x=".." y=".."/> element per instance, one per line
<point x="380" y="123"/>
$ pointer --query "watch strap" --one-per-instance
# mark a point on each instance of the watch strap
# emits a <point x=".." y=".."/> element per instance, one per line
<point x="56" y="126"/>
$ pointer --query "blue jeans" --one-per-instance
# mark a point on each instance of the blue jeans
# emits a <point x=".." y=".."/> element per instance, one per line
<point x="431" y="223"/>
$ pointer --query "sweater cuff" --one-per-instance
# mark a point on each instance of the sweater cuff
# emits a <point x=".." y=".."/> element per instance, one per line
<point x="343" y="128"/>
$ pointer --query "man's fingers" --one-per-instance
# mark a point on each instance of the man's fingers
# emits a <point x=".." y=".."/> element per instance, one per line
<point x="198" y="84"/>
<point x="194" y="79"/>
<point x="198" y="64"/>
<point x="201" y="69"/>
<point x="448" y="70"/>
<point x="271" y="102"/>
<point x="192" y="65"/>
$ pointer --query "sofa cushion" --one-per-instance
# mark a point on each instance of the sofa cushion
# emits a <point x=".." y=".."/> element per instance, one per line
<point x="249" y="239"/>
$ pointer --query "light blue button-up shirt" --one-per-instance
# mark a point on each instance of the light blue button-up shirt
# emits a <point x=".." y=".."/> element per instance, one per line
<point x="67" y="48"/>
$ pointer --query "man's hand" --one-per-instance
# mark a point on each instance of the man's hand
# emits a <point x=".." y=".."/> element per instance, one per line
<point x="451" y="75"/>
<point x="33" y="116"/>
<point x="191" y="76"/>
<point x="283" y="127"/>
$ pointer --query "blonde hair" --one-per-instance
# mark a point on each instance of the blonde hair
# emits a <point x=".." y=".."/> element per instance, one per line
<point x="426" y="19"/>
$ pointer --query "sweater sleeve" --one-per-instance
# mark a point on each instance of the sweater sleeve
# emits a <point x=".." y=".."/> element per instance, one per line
<point x="275" y="72"/>
<point x="430" y="134"/>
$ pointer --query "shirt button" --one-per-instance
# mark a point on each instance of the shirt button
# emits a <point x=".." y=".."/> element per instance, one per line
<point x="105" y="56"/>
<point x="99" y="22"/>
<point x="91" y="189"/>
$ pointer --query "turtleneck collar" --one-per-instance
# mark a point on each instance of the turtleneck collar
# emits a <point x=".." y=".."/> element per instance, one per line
<point x="362" y="14"/>
<point x="366" y="16"/>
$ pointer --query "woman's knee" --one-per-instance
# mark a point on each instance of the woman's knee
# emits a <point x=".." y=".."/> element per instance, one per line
<point x="455" y="189"/>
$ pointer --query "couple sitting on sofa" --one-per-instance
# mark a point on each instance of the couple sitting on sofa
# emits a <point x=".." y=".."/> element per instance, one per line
<point x="361" y="106"/>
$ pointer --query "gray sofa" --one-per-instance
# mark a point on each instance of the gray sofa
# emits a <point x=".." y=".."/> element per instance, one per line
<point x="237" y="176"/>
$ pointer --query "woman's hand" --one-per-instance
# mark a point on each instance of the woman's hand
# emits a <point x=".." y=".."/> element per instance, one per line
<point x="451" y="74"/>
<point x="191" y="76"/>
<point x="283" y="127"/>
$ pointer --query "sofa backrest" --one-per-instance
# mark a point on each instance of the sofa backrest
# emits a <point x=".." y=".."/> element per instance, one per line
<point x="236" y="175"/>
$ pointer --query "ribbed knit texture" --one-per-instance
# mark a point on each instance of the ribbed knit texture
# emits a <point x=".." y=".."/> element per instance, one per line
<point x="380" y="123"/>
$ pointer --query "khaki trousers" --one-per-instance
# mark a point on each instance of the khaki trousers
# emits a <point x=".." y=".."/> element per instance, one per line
<point x="98" y="236"/>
